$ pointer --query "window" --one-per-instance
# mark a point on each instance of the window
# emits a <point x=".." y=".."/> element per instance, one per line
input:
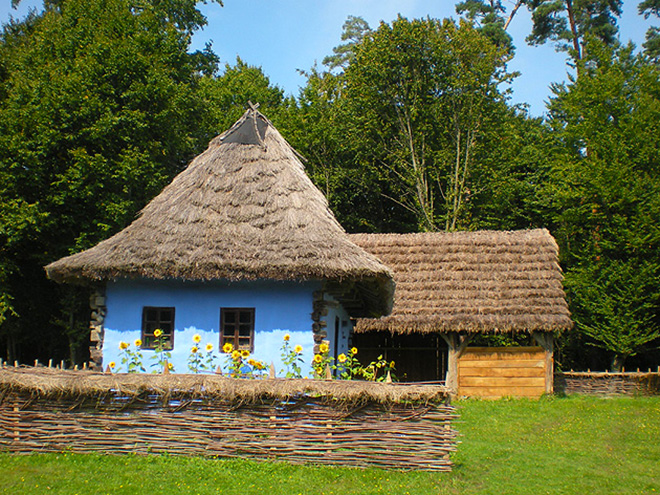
<point x="237" y="328"/>
<point x="153" y="318"/>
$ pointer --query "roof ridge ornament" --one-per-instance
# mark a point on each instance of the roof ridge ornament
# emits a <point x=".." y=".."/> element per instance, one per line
<point x="249" y="129"/>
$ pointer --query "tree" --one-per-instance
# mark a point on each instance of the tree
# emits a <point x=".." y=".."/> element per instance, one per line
<point x="99" y="108"/>
<point x="353" y="32"/>
<point x="564" y="22"/>
<point x="606" y="192"/>
<point x="647" y="8"/>
<point x="227" y="96"/>
<point x="489" y="15"/>
<point x="418" y="95"/>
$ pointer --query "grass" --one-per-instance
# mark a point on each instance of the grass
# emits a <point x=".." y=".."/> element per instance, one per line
<point x="580" y="445"/>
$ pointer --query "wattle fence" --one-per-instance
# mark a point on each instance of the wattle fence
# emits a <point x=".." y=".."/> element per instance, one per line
<point x="608" y="383"/>
<point x="392" y="426"/>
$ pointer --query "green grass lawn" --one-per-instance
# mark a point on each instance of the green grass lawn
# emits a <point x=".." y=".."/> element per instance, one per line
<point x="578" y="445"/>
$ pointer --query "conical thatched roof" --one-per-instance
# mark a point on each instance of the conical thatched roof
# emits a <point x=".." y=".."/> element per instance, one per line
<point x="242" y="210"/>
<point x="470" y="281"/>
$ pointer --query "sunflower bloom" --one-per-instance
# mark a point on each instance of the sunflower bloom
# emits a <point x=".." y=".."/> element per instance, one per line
<point x="158" y="332"/>
<point x="297" y="349"/>
<point x="245" y="353"/>
<point x="123" y="346"/>
<point x="323" y="348"/>
<point x="286" y="337"/>
<point x="112" y="364"/>
<point x="317" y="358"/>
<point x="197" y="338"/>
<point x="341" y="358"/>
<point x="138" y="343"/>
<point x="354" y="351"/>
<point x="194" y="349"/>
<point x="170" y="366"/>
<point x="227" y="348"/>
<point x="209" y="347"/>
<point x="235" y="355"/>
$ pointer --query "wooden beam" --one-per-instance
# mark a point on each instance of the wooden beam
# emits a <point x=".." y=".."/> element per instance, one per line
<point x="546" y="340"/>
<point x="457" y="344"/>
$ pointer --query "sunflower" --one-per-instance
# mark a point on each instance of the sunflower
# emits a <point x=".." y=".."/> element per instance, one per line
<point x="341" y="358"/>
<point x="323" y="348"/>
<point x="297" y="349"/>
<point x="158" y="332"/>
<point x="318" y="358"/>
<point x="170" y="366"/>
<point x="197" y="338"/>
<point x="194" y="349"/>
<point x="227" y="348"/>
<point x="235" y="355"/>
<point x="245" y="353"/>
<point x="286" y="337"/>
<point x="209" y="347"/>
<point x="123" y="346"/>
<point x="138" y="343"/>
<point x="112" y="364"/>
<point x="354" y="351"/>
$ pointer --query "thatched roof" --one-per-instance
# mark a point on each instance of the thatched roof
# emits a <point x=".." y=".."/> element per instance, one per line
<point x="242" y="210"/>
<point x="47" y="382"/>
<point x="470" y="281"/>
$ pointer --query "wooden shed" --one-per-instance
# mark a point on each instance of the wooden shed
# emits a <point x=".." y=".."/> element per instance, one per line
<point x="451" y="287"/>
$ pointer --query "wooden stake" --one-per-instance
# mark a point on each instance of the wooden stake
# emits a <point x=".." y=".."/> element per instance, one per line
<point x="328" y="373"/>
<point x="166" y="368"/>
<point x="218" y="370"/>
<point x="271" y="370"/>
<point x="108" y="370"/>
<point x="50" y="363"/>
<point x="388" y="378"/>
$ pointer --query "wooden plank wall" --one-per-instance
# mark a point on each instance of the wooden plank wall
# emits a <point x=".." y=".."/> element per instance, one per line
<point x="493" y="372"/>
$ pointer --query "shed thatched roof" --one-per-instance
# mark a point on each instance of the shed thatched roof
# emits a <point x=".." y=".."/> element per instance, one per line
<point x="242" y="210"/>
<point x="470" y="281"/>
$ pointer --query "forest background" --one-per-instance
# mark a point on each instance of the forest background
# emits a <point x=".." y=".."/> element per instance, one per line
<point x="407" y="126"/>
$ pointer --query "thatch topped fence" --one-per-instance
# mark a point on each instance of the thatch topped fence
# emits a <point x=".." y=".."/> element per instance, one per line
<point x="395" y="426"/>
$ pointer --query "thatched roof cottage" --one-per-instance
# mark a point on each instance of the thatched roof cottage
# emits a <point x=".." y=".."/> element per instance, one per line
<point x="453" y="286"/>
<point x="240" y="248"/>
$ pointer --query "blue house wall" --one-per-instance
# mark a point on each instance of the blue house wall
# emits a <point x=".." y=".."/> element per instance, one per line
<point x="280" y="308"/>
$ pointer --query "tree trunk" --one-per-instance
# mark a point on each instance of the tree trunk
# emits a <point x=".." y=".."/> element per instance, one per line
<point x="617" y="362"/>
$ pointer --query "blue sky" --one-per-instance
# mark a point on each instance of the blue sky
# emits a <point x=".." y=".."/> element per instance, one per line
<point x="285" y="36"/>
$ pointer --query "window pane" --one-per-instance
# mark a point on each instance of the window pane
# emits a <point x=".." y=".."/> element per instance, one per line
<point x="237" y="327"/>
<point x="161" y="318"/>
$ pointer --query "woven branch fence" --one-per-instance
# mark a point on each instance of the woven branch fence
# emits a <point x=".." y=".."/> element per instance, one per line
<point x="389" y="426"/>
<point x="608" y="383"/>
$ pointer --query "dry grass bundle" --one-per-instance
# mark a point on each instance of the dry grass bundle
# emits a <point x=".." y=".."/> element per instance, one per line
<point x="484" y="281"/>
<point x="242" y="210"/>
<point x="51" y="383"/>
